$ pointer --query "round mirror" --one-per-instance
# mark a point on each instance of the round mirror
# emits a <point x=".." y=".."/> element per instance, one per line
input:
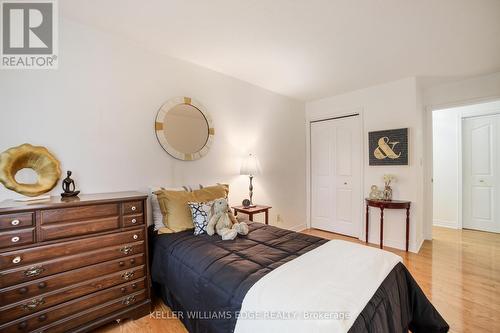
<point x="184" y="129"/>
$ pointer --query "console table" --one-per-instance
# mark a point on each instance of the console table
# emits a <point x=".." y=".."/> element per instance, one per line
<point x="386" y="204"/>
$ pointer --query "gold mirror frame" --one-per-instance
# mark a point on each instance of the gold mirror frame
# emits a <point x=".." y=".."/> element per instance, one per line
<point x="26" y="156"/>
<point x="160" y="133"/>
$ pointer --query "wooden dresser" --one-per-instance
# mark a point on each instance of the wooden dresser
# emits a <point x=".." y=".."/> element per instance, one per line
<point x="71" y="265"/>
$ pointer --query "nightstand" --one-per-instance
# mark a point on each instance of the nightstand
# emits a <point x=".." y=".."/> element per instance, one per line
<point x="250" y="211"/>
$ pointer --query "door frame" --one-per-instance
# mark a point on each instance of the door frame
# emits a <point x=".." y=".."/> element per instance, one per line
<point x="429" y="166"/>
<point x="357" y="112"/>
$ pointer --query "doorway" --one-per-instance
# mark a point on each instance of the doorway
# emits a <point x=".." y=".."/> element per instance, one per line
<point x="466" y="167"/>
<point x="336" y="165"/>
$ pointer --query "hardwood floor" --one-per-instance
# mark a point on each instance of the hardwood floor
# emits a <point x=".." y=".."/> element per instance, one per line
<point x="459" y="271"/>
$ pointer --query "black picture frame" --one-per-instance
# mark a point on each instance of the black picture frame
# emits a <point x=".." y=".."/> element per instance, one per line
<point x="388" y="147"/>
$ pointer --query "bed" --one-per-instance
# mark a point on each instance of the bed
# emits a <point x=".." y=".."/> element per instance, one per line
<point x="207" y="280"/>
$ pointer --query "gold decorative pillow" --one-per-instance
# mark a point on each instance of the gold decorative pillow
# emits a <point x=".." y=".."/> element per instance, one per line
<point x="175" y="210"/>
<point x="210" y="193"/>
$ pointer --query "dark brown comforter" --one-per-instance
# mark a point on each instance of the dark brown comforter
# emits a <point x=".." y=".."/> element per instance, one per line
<point x="206" y="279"/>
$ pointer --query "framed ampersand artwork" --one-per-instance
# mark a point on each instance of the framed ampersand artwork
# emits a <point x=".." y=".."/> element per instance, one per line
<point x="388" y="147"/>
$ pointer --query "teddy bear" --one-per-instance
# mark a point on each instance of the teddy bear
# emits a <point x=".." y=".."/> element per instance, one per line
<point x="224" y="223"/>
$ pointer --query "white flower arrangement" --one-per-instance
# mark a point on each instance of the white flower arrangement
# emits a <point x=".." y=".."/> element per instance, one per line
<point x="388" y="179"/>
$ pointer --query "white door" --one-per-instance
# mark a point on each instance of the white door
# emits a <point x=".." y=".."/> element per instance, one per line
<point x="481" y="167"/>
<point x="336" y="175"/>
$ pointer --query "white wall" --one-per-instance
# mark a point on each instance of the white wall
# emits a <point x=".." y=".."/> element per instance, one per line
<point x="446" y="152"/>
<point x="96" y="114"/>
<point x="466" y="91"/>
<point x="460" y="92"/>
<point x="391" y="105"/>
<point x="447" y="160"/>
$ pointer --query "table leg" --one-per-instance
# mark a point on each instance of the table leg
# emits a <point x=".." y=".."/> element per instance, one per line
<point x="250" y="217"/>
<point x="381" y="228"/>
<point x="407" y="227"/>
<point x="267" y="217"/>
<point x="367" y="221"/>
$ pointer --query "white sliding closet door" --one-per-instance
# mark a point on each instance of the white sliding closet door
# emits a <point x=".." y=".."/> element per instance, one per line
<point x="336" y="166"/>
<point x="481" y="172"/>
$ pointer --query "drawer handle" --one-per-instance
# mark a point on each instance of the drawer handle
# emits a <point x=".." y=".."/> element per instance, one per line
<point x="15" y="239"/>
<point x="16" y="260"/>
<point x="33" y="304"/>
<point x="129" y="300"/>
<point x="33" y="271"/>
<point x="133" y="208"/>
<point x="23" y="325"/>
<point x="134" y="221"/>
<point x="135" y="236"/>
<point x="126" y="249"/>
<point x="14" y="222"/>
<point x="128" y="275"/>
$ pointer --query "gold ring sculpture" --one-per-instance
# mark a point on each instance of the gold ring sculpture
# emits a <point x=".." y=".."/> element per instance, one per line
<point x="31" y="157"/>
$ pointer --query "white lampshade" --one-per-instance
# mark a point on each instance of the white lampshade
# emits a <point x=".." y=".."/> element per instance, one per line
<point x="250" y="166"/>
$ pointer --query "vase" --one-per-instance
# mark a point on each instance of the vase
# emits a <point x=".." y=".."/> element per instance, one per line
<point x="388" y="193"/>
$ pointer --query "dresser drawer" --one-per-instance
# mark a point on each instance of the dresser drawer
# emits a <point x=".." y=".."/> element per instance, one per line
<point x="17" y="237"/>
<point x="64" y="310"/>
<point x="79" y="213"/>
<point x="26" y="290"/>
<point x="73" y="323"/>
<point x="132" y="220"/>
<point x="41" y="253"/>
<point x="132" y="207"/>
<point x="29" y="306"/>
<point x="8" y="221"/>
<point x="46" y="268"/>
<point x="72" y="229"/>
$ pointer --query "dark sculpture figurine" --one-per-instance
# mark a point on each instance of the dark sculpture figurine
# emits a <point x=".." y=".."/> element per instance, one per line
<point x="68" y="186"/>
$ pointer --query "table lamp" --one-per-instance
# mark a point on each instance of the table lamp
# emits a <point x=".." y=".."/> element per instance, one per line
<point x="250" y="167"/>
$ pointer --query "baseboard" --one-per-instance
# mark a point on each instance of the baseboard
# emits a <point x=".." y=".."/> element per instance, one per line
<point x="400" y="245"/>
<point x="417" y="250"/>
<point x="445" y="224"/>
<point x="299" y="227"/>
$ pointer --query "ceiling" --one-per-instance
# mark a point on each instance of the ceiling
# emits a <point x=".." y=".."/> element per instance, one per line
<point x="309" y="49"/>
